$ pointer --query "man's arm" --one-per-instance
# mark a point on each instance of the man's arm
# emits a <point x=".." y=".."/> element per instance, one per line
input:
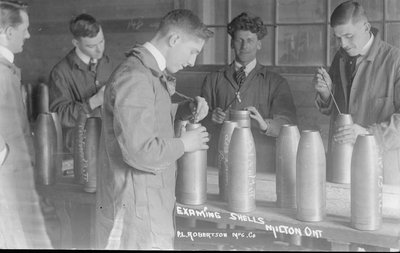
<point x="62" y="102"/>
<point x="216" y="115"/>
<point x="136" y="128"/>
<point x="283" y="110"/>
<point x="387" y="133"/>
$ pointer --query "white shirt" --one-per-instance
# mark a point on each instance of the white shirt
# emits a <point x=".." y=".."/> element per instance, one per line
<point x="367" y="46"/>
<point x="83" y="57"/>
<point x="160" y="59"/>
<point x="6" y="53"/>
<point x="249" y="67"/>
<point x="365" y="49"/>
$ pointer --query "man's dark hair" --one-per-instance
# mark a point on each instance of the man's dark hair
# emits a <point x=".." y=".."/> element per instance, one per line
<point x="10" y="13"/>
<point x="347" y="11"/>
<point x="186" y="21"/>
<point x="84" y="25"/>
<point x="247" y="22"/>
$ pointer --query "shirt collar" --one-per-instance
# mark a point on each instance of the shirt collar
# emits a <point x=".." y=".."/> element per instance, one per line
<point x="7" y="54"/>
<point x="367" y="46"/>
<point x="83" y="56"/>
<point x="160" y="59"/>
<point x="249" y="67"/>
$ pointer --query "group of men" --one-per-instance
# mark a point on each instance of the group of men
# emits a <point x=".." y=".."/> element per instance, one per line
<point x="138" y="149"/>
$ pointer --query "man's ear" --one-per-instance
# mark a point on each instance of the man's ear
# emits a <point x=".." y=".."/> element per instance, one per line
<point x="259" y="44"/>
<point x="367" y="27"/>
<point x="75" y="42"/>
<point x="9" y="31"/>
<point x="173" y="39"/>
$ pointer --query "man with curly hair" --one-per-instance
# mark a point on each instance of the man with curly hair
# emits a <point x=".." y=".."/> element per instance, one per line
<point x="265" y="94"/>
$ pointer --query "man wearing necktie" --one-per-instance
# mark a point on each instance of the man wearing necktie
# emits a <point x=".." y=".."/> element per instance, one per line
<point x="246" y="84"/>
<point x="365" y="79"/>
<point x="138" y="148"/>
<point x="76" y="83"/>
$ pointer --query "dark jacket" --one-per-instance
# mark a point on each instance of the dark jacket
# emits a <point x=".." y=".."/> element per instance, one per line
<point x="71" y="84"/>
<point x="268" y="92"/>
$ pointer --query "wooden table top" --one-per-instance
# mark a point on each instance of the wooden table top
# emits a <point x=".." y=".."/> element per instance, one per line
<point x="267" y="217"/>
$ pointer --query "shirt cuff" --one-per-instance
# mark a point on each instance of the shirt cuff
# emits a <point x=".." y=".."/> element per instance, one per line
<point x="273" y="128"/>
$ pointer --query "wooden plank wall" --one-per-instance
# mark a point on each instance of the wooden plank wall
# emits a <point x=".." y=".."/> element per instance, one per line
<point x="125" y="23"/>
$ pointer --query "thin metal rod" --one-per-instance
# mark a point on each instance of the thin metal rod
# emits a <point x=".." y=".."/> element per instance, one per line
<point x="237" y="97"/>
<point x="337" y="107"/>
<point x="184" y="96"/>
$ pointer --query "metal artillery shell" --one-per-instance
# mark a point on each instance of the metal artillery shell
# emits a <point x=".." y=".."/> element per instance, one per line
<point x="27" y="90"/>
<point x="242" y="171"/>
<point x="223" y="151"/>
<point x="339" y="163"/>
<point x="92" y="139"/>
<point x="45" y="141"/>
<point x="242" y="117"/>
<point x="286" y="152"/>
<point x="179" y="124"/>
<point x="191" y="182"/>
<point x="58" y="154"/>
<point x="43" y="98"/>
<point x="78" y="149"/>
<point x="366" y="184"/>
<point x="310" y="177"/>
<point x="29" y="101"/>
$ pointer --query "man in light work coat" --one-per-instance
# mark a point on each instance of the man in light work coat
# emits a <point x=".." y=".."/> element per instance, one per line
<point x="265" y="94"/>
<point x="371" y="93"/>
<point x="136" y="177"/>
<point x="21" y="221"/>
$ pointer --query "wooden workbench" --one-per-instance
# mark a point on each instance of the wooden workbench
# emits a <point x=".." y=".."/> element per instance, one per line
<point x="76" y="208"/>
<point x="335" y="228"/>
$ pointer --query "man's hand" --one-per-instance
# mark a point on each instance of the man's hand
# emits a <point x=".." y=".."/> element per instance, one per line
<point x="349" y="133"/>
<point x="322" y="83"/>
<point x="218" y="116"/>
<point x="97" y="99"/>
<point x="195" y="139"/>
<point x="254" y="114"/>
<point x="199" y="108"/>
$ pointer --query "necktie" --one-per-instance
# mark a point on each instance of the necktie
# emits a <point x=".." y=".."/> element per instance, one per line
<point x="169" y="81"/>
<point x="351" y="70"/>
<point x="352" y="61"/>
<point x="92" y="65"/>
<point x="240" y="75"/>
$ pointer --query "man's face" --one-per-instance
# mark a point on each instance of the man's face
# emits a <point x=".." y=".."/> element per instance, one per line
<point x="352" y="37"/>
<point x="92" y="47"/>
<point x="18" y="34"/>
<point x="183" y="53"/>
<point x="245" y="44"/>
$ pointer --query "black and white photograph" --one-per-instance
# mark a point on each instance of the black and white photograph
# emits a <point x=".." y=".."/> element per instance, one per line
<point x="213" y="125"/>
